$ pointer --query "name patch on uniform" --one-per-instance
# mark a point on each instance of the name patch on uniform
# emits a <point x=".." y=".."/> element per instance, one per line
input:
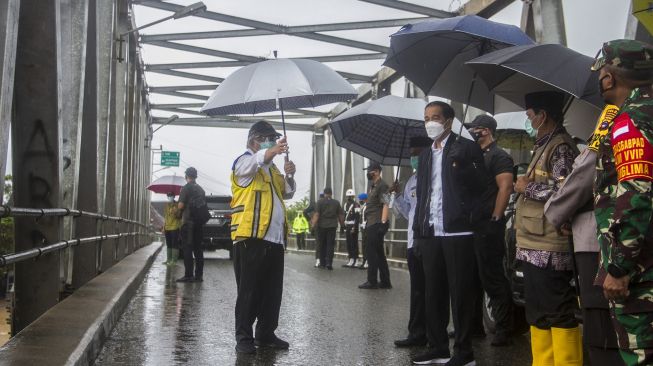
<point x="633" y="154"/>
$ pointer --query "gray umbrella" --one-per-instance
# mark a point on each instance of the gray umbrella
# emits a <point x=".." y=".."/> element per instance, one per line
<point x="380" y="130"/>
<point x="277" y="85"/>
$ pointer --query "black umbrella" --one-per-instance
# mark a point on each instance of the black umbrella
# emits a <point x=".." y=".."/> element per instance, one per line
<point x="516" y="71"/>
<point x="432" y="54"/>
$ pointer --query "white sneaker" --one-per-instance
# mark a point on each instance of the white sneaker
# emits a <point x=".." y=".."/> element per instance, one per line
<point x="317" y="263"/>
<point x="366" y="265"/>
<point x="350" y="263"/>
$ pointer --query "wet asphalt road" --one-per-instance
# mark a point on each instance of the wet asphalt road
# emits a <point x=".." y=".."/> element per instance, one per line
<point x="324" y="316"/>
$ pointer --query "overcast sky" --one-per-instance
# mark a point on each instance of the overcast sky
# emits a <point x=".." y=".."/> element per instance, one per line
<point x="212" y="150"/>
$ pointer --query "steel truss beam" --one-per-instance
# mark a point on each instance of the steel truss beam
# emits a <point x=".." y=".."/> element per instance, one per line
<point x="304" y="112"/>
<point x="231" y="123"/>
<point x="290" y="30"/>
<point x="154" y="89"/>
<point x="413" y="8"/>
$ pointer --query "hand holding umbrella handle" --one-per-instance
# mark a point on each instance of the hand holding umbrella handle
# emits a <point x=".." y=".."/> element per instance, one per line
<point x="289" y="167"/>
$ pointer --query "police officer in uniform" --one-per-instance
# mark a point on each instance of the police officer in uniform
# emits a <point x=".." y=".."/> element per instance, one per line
<point x="259" y="231"/>
<point x="623" y="196"/>
<point x="352" y="222"/>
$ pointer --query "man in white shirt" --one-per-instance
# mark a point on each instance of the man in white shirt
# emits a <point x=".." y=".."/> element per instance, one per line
<point x="259" y="230"/>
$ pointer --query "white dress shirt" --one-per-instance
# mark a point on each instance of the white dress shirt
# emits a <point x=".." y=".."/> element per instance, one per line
<point x="436" y="218"/>
<point x="405" y="204"/>
<point x="245" y="170"/>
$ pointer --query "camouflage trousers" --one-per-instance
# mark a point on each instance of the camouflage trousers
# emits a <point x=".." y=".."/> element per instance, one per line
<point x="634" y="329"/>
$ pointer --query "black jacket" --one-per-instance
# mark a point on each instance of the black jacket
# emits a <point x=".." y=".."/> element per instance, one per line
<point x="464" y="179"/>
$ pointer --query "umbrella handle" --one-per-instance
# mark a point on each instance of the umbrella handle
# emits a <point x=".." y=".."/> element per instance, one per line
<point x="287" y="159"/>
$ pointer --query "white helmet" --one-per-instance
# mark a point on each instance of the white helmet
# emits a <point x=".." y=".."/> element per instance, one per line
<point x="350" y="193"/>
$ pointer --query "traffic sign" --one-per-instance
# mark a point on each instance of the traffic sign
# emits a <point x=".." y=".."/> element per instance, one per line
<point x="170" y="158"/>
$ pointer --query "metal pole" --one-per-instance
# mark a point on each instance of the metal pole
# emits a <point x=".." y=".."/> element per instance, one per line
<point x="36" y="137"/>
<point x="8" y="40"/>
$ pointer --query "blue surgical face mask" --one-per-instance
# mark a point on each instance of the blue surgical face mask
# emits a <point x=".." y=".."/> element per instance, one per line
<point x="414" y="161"/>
<point x="267" y="144"/>
<point x="528" y="127"/>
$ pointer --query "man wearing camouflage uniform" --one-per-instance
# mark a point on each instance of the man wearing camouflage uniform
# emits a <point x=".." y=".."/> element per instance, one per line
<point x="623" y="197"/>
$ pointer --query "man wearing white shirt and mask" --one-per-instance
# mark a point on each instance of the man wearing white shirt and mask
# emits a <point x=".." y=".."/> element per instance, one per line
<point x="450" y="180"/>
<point x="259" y="231"/>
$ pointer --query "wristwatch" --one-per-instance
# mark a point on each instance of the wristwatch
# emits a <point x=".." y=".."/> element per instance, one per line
<point x="616" y="271"/>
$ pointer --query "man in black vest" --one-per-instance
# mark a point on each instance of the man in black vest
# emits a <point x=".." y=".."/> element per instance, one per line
<point x="450" y="180"/>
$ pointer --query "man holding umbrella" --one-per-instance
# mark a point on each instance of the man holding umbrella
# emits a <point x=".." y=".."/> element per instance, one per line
<point x="450" y="179"/>
<point x="259" y="231"/>
<point x="623" y="202"/>
<point x="489" y="233"/>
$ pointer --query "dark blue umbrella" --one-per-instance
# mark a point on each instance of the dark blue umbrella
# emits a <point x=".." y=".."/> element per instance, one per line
<point x="432" y="54"/>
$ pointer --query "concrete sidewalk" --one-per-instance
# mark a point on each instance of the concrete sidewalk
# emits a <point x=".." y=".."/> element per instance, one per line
<point x="72" y="332"/>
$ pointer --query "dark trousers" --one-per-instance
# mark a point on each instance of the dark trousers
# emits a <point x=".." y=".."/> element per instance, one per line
<point x="172" y="239"/>
<point x="352" y="242"/>
<point x="416" y="320"/>
<point x="318" y="245"/>
<point x="599" y="336"/>
<point x="301" y="241"/>
<point x="376" y="259"/>
<point x="327" y="245"/>
<point x="363" y="246"/>
<point x="191" y="238"/>
<point x="258" y="265"/>
<point x="449" y="267"/>
<point x="550" y="299"/>
<point x="489" y="248"/>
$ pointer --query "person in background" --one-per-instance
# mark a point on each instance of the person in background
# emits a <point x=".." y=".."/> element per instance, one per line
<point x="300" y="227"/>
<point x="191" y="232"/>
<point x="404" y="205"/>
<point x="259" y="230"/>
<point x="352" y="222"/>
<point x="362" y="201"/>
<point x="572" y="208"/>
<point x="328" y="213"/>
<point x="171" y="227"/>
<point x="490" y="230"/>
<point x="544" y="254"/>
<point x="309" y="212"/>
<point x="623" y="204"/>
<point x="377" y="225"/>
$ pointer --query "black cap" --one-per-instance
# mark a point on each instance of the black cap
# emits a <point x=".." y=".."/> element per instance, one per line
<point x="483" y="121"/>
<point x="547" y="100"/>
<point x="420" y="141"/>
<point x="191" y="172"/>
<point x="373" y="166"/>
<point x="263" y="128"/>
<point x="328" y="190"/>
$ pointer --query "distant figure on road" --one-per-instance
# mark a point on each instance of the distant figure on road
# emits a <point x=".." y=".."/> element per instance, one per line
<point x="259" y="230"/>
<point x="300" y="227"/>
<point x="362" y="201"/>
<point x="171" y="227"/>
<point x="352" y="222"/>
<point x="191" y="231"/>
<point x="328" y="213"/>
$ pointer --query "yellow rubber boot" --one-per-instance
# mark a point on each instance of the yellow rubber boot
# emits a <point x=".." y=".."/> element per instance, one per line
<point x="541" y="347"/>
<point x="567" y="346"/>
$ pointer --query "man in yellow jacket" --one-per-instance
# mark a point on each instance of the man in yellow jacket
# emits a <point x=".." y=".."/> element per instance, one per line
<point x="300" y="228"/>
<point x="171" y="230"/>
<point x="259" y="231"/>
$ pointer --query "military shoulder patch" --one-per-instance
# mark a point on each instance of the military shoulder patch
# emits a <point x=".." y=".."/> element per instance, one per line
<point x="633" y="153"/>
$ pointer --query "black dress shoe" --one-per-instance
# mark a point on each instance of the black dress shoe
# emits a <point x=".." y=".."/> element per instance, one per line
<point x="329" y="267"/>
<point x="386" y="286"/>
<point x="186" y="279"/>
<point x="432" y="357"/>
<point x="198" y="279"/>
<point x="273" y="342"/>
<point x="368" y="286"/>
<point x="245" y="347"/>
<point x="410" y="342"/>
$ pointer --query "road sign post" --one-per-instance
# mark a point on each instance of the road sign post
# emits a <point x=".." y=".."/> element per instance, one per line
<point x="170" y="158"/>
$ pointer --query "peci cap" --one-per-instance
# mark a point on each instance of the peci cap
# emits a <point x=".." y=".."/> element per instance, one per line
<point x="626" y="54"/>
<point x="373" y="166"/>
<point x="191" y="172"/>
<point x="420" y="141"/>
<point x="547" y="100"/>
<point x="328" y="190"/>
<point x="263" y="128"/>
<point x="483" y="121"/>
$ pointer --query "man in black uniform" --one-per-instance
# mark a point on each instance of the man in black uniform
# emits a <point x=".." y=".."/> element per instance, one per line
<point x="489" y="232"/>
<point x="328" y="213"/>
<point x="191" y="232"/>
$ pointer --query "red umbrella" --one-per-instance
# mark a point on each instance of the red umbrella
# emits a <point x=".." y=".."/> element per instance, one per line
<point x="167" y="184"/>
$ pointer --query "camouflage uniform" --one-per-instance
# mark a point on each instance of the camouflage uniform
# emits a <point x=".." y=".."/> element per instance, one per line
<point x="624" y="205"/>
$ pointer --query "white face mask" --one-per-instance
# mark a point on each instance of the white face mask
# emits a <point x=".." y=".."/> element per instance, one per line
<point x="434" y="129"/>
